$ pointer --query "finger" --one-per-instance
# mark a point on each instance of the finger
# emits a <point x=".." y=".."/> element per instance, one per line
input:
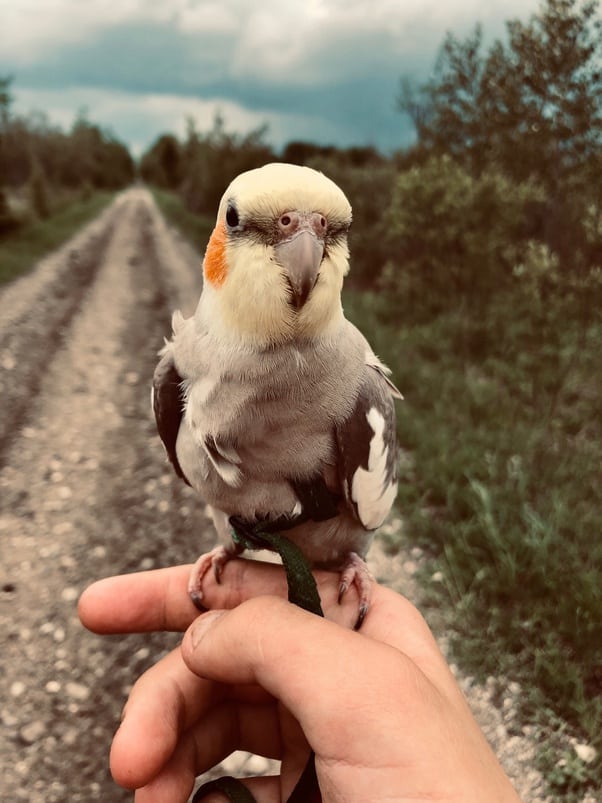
<point x="164" y="701"/>
<point x="225" y="728"/>
<point x="163" y="705"/>
<point x="158" y="600"/>
<point x="140" y="602"/>
<point x="244" y="579"/>
<point x="290" y="652"/>
<point x="392" y="619"/>
<point x="174" y="782"/>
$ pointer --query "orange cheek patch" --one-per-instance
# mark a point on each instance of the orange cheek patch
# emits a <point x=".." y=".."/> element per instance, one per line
<point x="215" y="256"/>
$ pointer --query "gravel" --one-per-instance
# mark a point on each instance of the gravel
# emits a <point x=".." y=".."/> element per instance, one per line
<point x="85" y="492"/>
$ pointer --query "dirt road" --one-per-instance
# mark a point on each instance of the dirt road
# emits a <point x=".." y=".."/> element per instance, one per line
<point x="85" y="492"/>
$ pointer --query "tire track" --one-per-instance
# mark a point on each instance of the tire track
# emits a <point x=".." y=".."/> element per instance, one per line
<point x="35" y="312"/>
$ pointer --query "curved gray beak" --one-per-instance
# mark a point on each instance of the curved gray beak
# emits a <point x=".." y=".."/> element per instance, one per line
<point x="300" y="256"/>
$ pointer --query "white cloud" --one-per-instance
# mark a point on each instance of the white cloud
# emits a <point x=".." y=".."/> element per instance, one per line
<point x="291" y="42"/>
<point x="272" y="34"/>
<point x="294" y="64"/>
<point x="140" y="119"/>
<point x="212" y="16"/>
<point x="33" y="28"/>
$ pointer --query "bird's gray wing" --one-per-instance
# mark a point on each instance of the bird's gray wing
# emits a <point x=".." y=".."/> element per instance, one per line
<point x="168" y="407"/>
<point x="367" y="445"/>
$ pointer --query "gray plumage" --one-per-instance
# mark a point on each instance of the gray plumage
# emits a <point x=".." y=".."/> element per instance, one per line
<point x="281" y="412"/>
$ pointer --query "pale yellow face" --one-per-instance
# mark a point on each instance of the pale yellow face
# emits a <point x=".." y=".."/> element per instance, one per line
<point x="247" y="288"/>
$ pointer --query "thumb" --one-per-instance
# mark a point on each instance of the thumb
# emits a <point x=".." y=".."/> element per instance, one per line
<point x="308" y="663"/>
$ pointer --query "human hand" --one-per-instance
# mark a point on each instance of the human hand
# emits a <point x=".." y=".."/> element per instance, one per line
<point x="380" y="708"/>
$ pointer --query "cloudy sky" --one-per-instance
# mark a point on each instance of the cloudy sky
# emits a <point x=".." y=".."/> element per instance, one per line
<point x="320" y="70"/>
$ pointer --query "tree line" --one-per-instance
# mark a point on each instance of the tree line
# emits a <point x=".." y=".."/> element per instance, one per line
<point x="41" y="165"/>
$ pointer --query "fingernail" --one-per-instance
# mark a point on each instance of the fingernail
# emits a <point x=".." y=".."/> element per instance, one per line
<point x="201" y="625"/>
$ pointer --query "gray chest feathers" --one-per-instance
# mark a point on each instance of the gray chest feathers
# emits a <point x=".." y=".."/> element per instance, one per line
<point x="246" y="433"/>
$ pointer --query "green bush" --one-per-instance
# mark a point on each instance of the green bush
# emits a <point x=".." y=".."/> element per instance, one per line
<point x="212" y="160"/>
<point x="453" y="239"/>
<point x="368" y="188"/>
<point x="163" y="165"/>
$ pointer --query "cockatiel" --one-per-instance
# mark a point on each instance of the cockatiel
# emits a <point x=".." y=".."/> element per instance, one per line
<point x="269" y="402"/>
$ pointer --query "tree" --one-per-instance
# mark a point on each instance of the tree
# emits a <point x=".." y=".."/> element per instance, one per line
<point x="454" y="238"/>
<point x="545" y="92"/>
<point x="213" y="159"/>
<point x="5" y="102"/>
<point x="96" y="157"/>
<point x="300" y="152"/>
<point x="445" y="111"/>
<point x="533" y="104"/>
<point x="38" y="191"/>
<point x="162" y="164"/>
<point x="531" y="107"/>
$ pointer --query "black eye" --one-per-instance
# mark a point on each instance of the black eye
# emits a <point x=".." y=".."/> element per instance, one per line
<point x="232" y="218"/>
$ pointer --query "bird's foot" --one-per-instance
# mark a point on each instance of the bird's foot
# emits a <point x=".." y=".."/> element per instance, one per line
<point x="216" y="560"/>
<point x="356" y="571"/>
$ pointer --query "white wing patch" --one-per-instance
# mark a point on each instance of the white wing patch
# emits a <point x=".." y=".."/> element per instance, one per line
<point x="370" y="490"/>
<point x="228" y="471"/>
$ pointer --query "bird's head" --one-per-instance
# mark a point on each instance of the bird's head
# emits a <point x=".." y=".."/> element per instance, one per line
<point x="275" y="262"/>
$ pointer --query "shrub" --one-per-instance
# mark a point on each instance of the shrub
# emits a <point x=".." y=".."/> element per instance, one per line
<point x="454" y="239"/>
<point x="212" y="160"/>
<point x="368" y="188"/>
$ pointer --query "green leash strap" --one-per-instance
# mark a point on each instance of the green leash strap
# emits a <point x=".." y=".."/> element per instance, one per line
<point x="234" y="790"/>
<point x="302" y="591"/>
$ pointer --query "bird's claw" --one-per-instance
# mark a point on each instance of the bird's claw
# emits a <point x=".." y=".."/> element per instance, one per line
<point x="216" y="559"/>
<point x="356" y="572"/>
<point x="361" y="615"/>
<point x="342" y="590"/>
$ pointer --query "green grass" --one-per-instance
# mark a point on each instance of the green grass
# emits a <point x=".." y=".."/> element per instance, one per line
<point x="503" y="490"/>
<point x="196" y="228"/>
<point x="20" y="249"/>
